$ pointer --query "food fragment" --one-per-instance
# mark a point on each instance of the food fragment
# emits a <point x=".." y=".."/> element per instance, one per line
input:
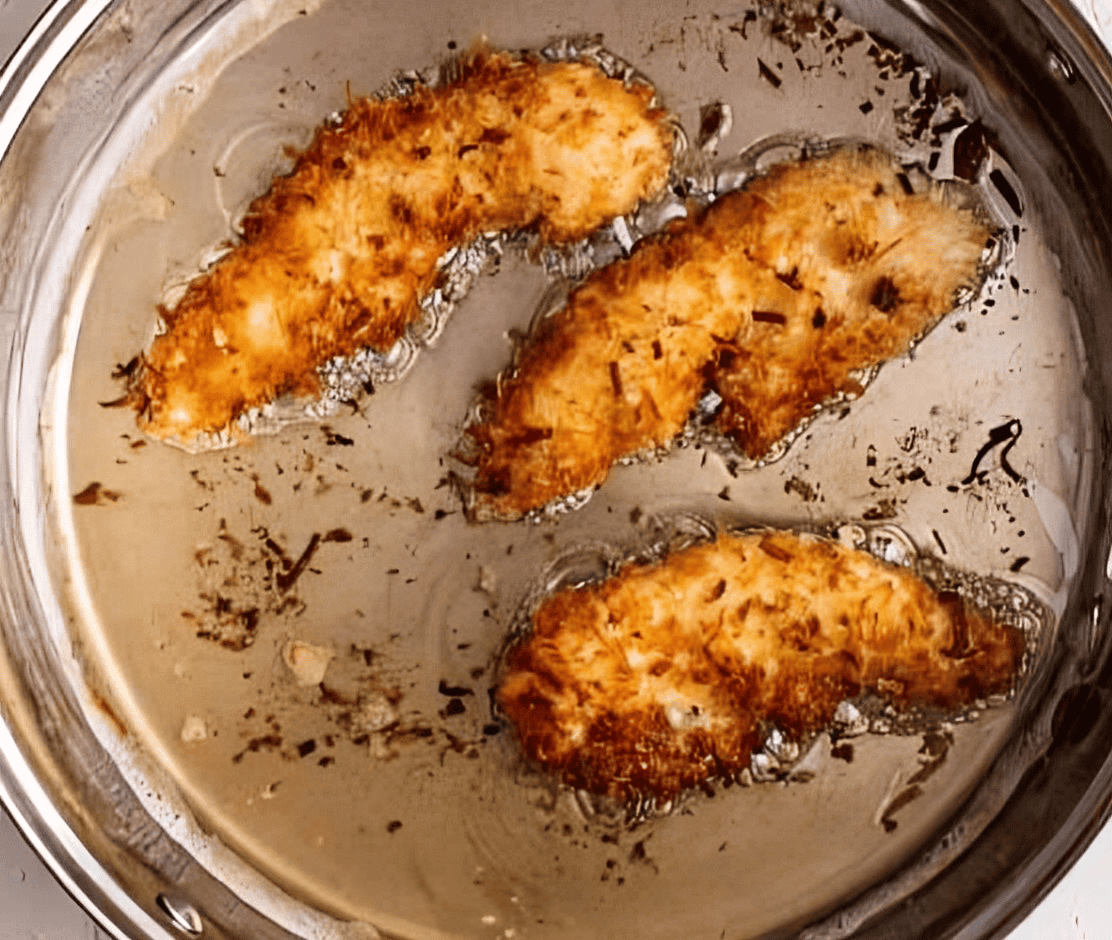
<point x="670" y="674"/>
<point x="96" y="494"/>
<point x="777" y="296"/>
<point x="337" y="256"/>
<point x="307" y="662"/>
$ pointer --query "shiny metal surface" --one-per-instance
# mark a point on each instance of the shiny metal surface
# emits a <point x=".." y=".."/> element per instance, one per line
<point x="129" y="898"/>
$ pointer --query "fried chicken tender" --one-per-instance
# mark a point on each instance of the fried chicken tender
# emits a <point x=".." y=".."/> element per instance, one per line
<point x="615" y="371"/>
<point x="669" y="674"/>
<point x="337" y="255"/>
<point x="860" y="268"/>
<point x="774" y="296"/>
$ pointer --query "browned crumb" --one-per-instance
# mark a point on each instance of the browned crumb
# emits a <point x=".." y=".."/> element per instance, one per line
<point x="337" y="255"/>
<point x="96" y="494"/>
<point x="667" y="674"/>
<point x="774" y="296"/>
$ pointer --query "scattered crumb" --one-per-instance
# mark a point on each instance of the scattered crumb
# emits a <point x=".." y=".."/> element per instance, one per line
<point x="308" y="663"/>
<point x="193" y="729"/>
<point x="95" y="494"/>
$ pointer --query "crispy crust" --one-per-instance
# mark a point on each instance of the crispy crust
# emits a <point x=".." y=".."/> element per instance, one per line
<point x="615" y="371"/>
<point x="336" y="256"/>
<point x="667" y="675"/>
<point x="853" y="270"/>
<point x="774" y="296"/>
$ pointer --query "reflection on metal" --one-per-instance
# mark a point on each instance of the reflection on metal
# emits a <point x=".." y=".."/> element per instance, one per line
<point x="182" y="914"/>
<point x="415" y="779"/>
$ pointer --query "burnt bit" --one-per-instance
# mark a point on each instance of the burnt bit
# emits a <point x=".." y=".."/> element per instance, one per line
<point x="638" y="855"/>
<point x="952" y="124"/>
<point x="330" y="696"/>
<point x="1006" y="434"/>
<point x="265" y="742"/>
<point x="393" y="826"/>
<point x="262" y="494"/>
<point x="914" y="475"/>
<point x="885" y="53"/>
<point x="454" y="707"/>
<point x="938" y="539"/>
<point x="658" y="350"/>
<point x="885" y="295"/>
<point x="127" y="369"/>
<point x="791" y="279"/>
<point x="95" y="494"/>
<point x="842" y="751"/>
<point x="305" y="748"/>
<point x="933" y="754"/>
<point x="818" y="321"/>
<point x="970" y="151"/>
<point x="769" y="316"/>
<point x="773" y="550"/>
<point x="1018" y="564"/>
<point x="494" y="135"/>
<point x="802" y="489"/>
<point x="271" y="546"/>
<point x="1006" y="190"/>
<point x="885" y="509"/>
<point x="453" y="691"/>
<point x="742" y="28"/>
<point x="768" y="75"/>
<point x="530" y="436"/>
<point x="712" y="120"/>
<point x="235" y="629"/>
<point x="615" y="379"/>
<point x="335" y="439"/>
<point x="285" y="580"/>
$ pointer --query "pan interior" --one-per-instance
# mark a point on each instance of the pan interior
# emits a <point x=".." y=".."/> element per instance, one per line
<point x="382" y="790"/>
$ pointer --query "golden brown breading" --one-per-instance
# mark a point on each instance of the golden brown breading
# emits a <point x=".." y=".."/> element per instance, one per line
<point x="616" y="370"/>
<point x="336" y="256"/>
<point x="860" y="269"/>
<point x="779" y="291"/>
<point x="668" y="674"/>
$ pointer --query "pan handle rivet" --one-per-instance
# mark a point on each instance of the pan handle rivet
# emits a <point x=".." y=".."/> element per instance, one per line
<point x="182" y="914"/>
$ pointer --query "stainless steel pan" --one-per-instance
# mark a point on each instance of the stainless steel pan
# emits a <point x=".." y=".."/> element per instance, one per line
<point x="183" y="778"/>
